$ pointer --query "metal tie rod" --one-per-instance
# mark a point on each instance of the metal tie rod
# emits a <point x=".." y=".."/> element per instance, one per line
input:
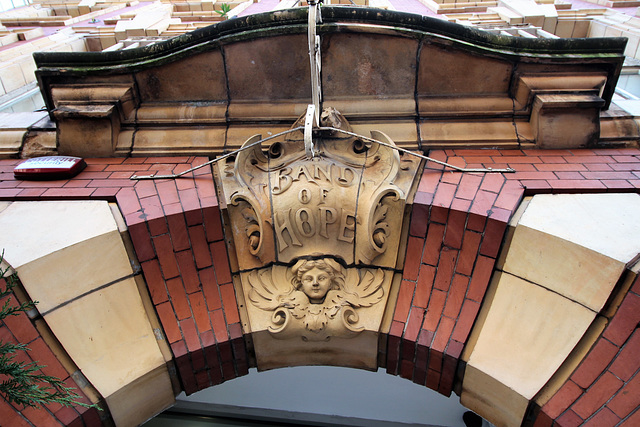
<point x="402" y="150"/>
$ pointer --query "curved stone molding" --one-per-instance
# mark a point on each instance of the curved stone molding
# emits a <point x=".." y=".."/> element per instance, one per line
<point x="69" y="256"/>
<point x="562" y="262"/>
<point x="330" y="222"/>
<point x="424" y="82"/>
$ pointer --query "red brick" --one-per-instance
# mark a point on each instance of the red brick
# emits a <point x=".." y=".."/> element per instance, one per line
<point x="438" y="214"/>
<point x="614" y="184"/>
<point x="624" y="321"/>
<point x="220" y="261"/>
<point x="569" y="419"/>
<point x="451" y="177"/>
<point x="403" y="304"/>
<point x="433" y="379"/>
<point x="412" y="258"/>
<point x="492" y="240"/>
<point x="568" y="175"/>
<point x="169" y="322"/>
<point x="604" y="418"/>
<point x="200" y="248"/>
<point x="467" y="316"/>
<point x="68" y="193"/>
<point x="424" y="285"/>
<point x="454" y="350"/>
<point x="41" y="352"/>
<point x="627" y="362"/>
<point x="433" y="244"/>
<point x="406" y="369"/>
<point x="397" y="329"/>
<point x="32" y="193"/>
<point x="616" y="175"/>
<point x="166" y="256"/>
<point x="188" y="271"/>
<point x="445" y="328"/>
<point x="483" y="203"/>
<point x="200" y="312"/>
<point x="168" y="192"/>
<point x="456" y="296"/>
<point x="455" y="229"/>
<point x="595" y="363"/>
<point x="434" y="310"/>
<point x="210" y="289"/>
<point x="444" y="195"/>
<point x="212" y="224"/>
<point x="435" y="360"/>
<point x="419" y="220"/>
<point x="480" y="278"/>
<point x="460" y="205"/>
<point x="469" y="185"/>
<point x="178" y="231"/>
<point x="560" y="167"/>
<point x="413" y="324"/>
<point x="178" y="298"/>
<point x="67" y="416"/>
<point x="601" y="391"/>
<point x="469" y="252"/>
<point x="128" y="201"/>
<point x="447" y="377"/>
<point x="562" y="400"/>
<point x="108" y="194"/>
<point x="191" y="337"/>
<point x="40" y="417"/>
<point x="446" y="266"/>
<point x="155" y="282"/>
<point x="633" y="420"/>
<point x="543" y="420"/>
<point x="204" y="185"/>
<point x="20" y="325"/>
<point x="573" y="184"/>
<point x="429" y="181"/>
<point x="104" y="161"/>
<point x="627" y="399"/>
<point x="191" y="206"/>
<point x="229" y="303"/>
<point x="476" y="222"/>
<point x="141" y="242"/>
<point x="111" y="183"/>
<point x="219" y="325"/>
<point x="598" y="167"/>
<point x="510" y="196"/>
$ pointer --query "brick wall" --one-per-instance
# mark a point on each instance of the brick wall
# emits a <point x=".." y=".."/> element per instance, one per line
<point x="457" y="228"/>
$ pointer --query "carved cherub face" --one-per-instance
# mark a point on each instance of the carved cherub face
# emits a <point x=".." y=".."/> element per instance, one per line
<point x="315" y="278"/>
<point x="315" y="284"/>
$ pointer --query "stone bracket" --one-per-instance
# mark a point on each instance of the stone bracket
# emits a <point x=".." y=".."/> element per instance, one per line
<point x="89" y="117"/>
<point x="566" y="120"/>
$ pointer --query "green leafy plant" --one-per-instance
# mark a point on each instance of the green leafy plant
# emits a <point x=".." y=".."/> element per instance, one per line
<point x="24" y="383"/>
<point x="224" y="10"/>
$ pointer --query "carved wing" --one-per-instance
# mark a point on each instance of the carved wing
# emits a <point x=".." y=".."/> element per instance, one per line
<point x="365" y="291"/>
<point x="267" y="292"/>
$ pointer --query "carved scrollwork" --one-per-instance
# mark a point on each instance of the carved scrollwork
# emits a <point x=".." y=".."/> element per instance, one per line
<point x="252" y="224"/>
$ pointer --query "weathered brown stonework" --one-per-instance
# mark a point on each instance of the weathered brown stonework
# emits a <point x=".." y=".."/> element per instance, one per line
<point x="426" y="83"/>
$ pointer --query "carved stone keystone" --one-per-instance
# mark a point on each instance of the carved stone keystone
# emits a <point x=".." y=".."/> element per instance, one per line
<point x="316" y="240"/>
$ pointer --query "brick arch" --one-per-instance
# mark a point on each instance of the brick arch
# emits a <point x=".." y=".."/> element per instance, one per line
<point x="457" y="227"/>
<point x="33" y="331"/>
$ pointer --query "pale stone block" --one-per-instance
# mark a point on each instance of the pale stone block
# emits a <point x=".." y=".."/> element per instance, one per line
<point x="524" y="336"/>
<point x="36" y="229"/>
<point x="46" y="241"/>
<point x="108" y="335"/>
<point x="11" y="77"/>
<point x="573" y="271"/>
<point x="3" y="206"/>
<point x="94" y="263"/>
<point x="142" y="399"/>
<point x="600" y="222"/>
<point x="493" y="400"/>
